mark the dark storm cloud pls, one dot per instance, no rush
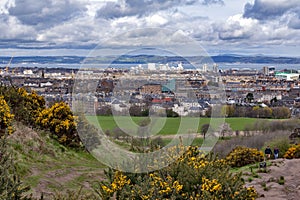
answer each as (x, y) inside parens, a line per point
(267, 9)
(143, 7)
(46, 12)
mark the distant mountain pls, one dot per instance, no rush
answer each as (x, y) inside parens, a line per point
(42, 59)
(142, 59)
(255, 59)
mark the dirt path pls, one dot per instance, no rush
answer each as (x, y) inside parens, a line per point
(60, 180)
(49, 168)
(268, 187)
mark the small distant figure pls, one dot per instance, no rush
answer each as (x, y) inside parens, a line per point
(268, 152)
(276, 152)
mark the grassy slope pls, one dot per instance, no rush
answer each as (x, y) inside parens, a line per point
(48, 167)
(171, 125)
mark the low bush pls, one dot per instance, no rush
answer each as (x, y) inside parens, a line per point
(293, 152)
(241, 156)
(281, 181)
(5, 117)
(61, 122)
(192, 176)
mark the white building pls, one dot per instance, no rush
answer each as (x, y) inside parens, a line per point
(27, 72)
(151, 66)
(288, 77)
(180, 67)
(204, 68)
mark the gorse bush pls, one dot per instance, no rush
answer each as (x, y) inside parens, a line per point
(24, 105)
(60, 120)
(29, 108)
(192, 176)
(5, 117)
(241, 156)
(33, 105)
(293, 152)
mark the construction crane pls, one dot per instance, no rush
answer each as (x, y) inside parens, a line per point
(8, 64)
(8, 77)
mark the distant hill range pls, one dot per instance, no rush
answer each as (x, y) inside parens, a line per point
(142, 59)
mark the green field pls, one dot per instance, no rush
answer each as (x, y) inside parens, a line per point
(170, 126)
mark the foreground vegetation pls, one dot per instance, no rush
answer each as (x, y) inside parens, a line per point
(48, 167)
(192, 176)
(48, 160)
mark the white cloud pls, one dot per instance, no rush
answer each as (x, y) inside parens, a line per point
(269, 9)
(237, 27)
(86, 23)
(46, 13)
(12, 29)
(156, 20)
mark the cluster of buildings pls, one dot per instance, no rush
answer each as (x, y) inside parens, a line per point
(160, 87)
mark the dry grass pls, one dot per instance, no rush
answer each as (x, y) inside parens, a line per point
(222, 148)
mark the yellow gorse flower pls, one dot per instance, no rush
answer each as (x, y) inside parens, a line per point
(5, 116)
(118, 183)
(210, 185)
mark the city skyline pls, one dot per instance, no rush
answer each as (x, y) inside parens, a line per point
(75, 27)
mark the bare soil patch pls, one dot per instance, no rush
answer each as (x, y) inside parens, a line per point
(267, 184)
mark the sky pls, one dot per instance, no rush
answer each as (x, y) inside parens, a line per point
(76, 27)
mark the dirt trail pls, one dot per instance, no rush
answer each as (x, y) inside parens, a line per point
(48, 168)
(268, 187)
(60, 180)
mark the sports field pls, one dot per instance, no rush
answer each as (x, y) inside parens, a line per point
(168, 126)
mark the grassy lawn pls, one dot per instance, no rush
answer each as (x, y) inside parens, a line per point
(170, 126)
(237, 123)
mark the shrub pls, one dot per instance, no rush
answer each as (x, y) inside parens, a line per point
(241, 156)
(281, 181)
(74, 195)
(281, 112)
(293, 152)
(228, 111)
(171, 113)
(139, 111)
(33, 104)
(104, 111)
(25, 106)
(192, 176)
(5, 117)
(60, 121)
